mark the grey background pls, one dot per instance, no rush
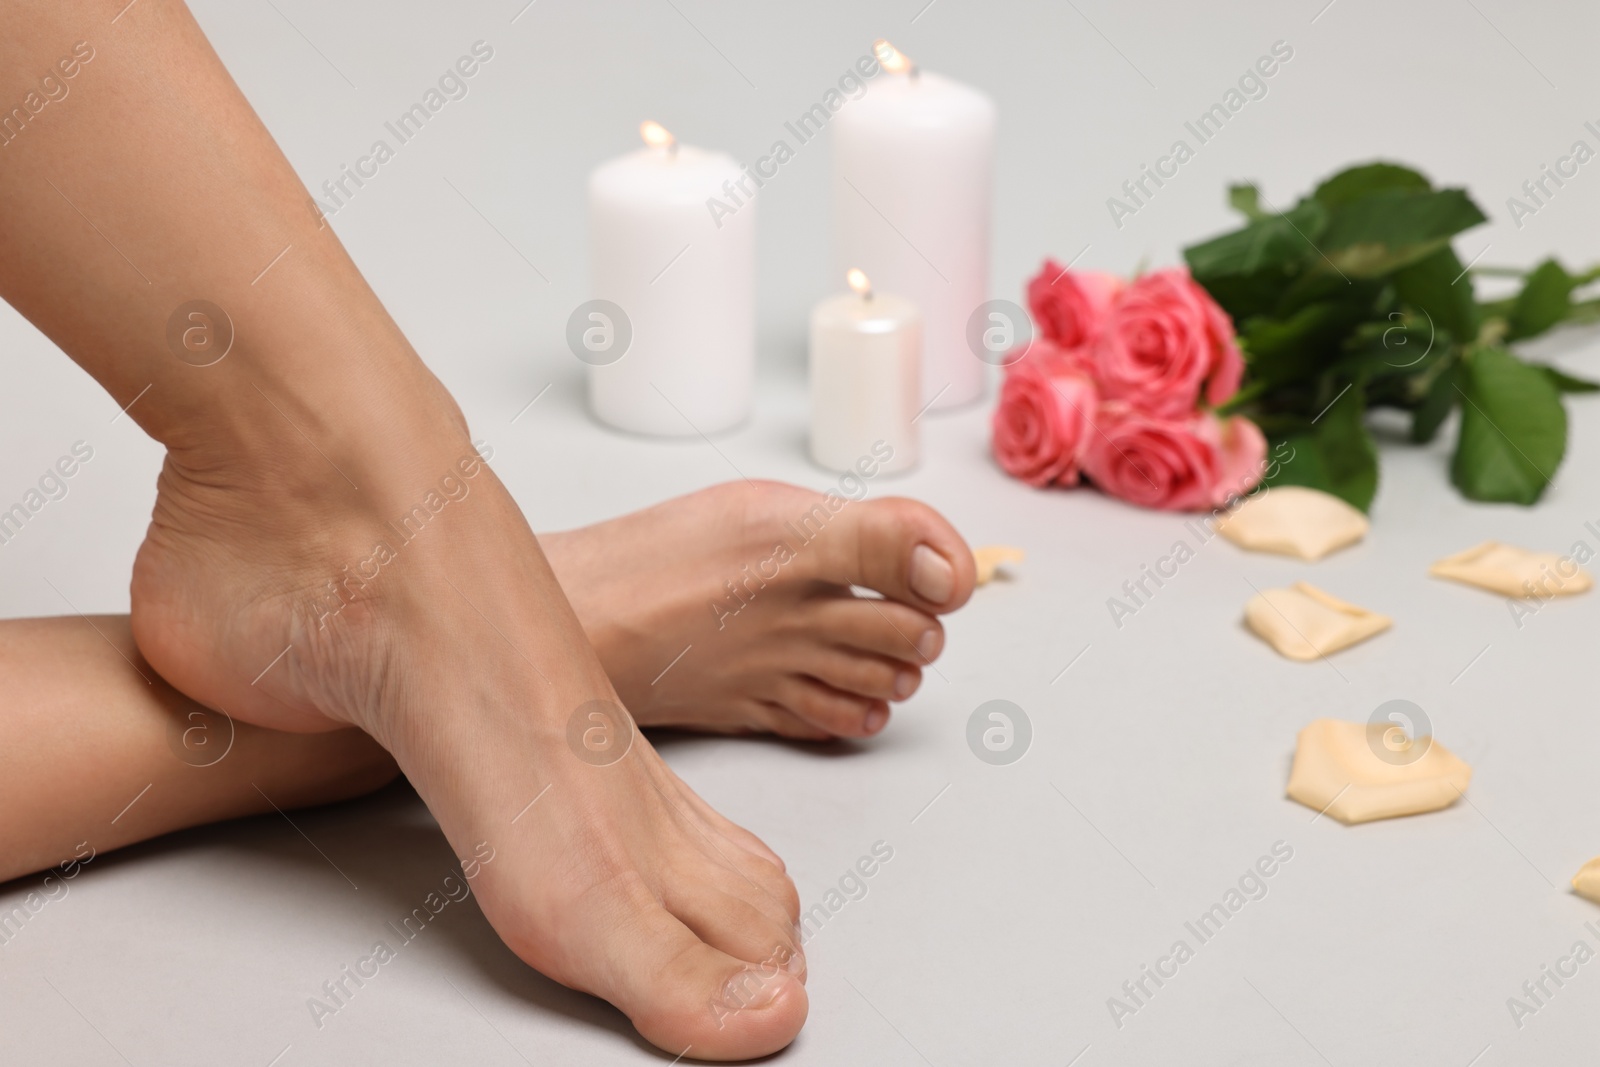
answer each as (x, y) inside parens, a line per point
(1019, 898)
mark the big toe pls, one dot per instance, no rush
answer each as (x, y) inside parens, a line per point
(699, 1002)
(901, 548)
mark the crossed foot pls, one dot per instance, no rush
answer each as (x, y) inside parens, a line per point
(466, 661)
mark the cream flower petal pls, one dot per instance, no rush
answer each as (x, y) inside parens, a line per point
(1586, 883)
(1338, 769)
(1303, 623)
(1294, 521)
(990, 557)
(1514, 572)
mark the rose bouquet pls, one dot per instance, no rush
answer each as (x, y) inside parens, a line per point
(1353, 299)
(1120, 388)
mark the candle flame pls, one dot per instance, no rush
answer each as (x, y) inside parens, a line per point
(656, 135)
(890, 58)
(857, 279)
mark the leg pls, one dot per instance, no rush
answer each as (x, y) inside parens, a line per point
(322, 452)
(87, 709)
(795, 654)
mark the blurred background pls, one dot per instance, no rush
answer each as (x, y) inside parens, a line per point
(473, 235)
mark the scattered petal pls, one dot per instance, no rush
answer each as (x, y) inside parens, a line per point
(1292, 520)
(1586, 883)
(1514, 572)
(1304, 623)
(1356, 773)
(990, 557)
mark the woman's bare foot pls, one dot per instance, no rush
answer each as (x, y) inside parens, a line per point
(730, 609)
(302, 431)
(462, 657)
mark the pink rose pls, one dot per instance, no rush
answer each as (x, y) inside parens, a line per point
(1183, 464)
(1244, 457)
(1071, 307)
(1166, 339)
(1044, 354)
(1043, 420)
(1228, 371)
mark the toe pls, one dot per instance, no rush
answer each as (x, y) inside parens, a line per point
(841, 714)
(769, 862)
(744, 873)
(901, 548)
(793, 727)
(863, 674)
(881, 627)
(738, 925)
(695, 1000)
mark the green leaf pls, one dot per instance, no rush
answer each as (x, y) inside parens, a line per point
(1271, 242)
(1307, 342)
(1246, 296)
(1393, 228)
(1356, 182)
(1334, 453)
(1315, 287)
(1585, 311)
(1494, 309)
(1564, 382)
(1248, 270)
(1513, 429)
(1545, 300)
(1441, 289)
(1393, 362)
(1246, 200)
(1437, 404)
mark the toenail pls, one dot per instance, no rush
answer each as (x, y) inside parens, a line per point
(905, 683)
(875, 720)
(932, 577)
(927, 644)
(796, 964)
(750, 989)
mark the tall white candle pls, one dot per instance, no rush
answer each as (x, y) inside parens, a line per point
(685, 284)
(866, 364)
(913, 175)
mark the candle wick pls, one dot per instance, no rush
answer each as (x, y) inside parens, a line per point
(672, 150)
(915, 70)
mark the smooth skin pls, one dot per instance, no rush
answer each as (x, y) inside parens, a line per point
(154, 184)
(77, 690)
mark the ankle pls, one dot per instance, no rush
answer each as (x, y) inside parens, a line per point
(337, 379)
(333, 440)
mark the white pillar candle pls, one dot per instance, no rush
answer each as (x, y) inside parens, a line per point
(685, 282)
(913, 175)
(866, 374)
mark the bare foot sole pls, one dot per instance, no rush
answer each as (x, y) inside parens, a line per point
(731, 609)
(463, 658)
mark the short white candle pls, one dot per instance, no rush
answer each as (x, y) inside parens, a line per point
(913, 175)
(866, 374)
(686, 285)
